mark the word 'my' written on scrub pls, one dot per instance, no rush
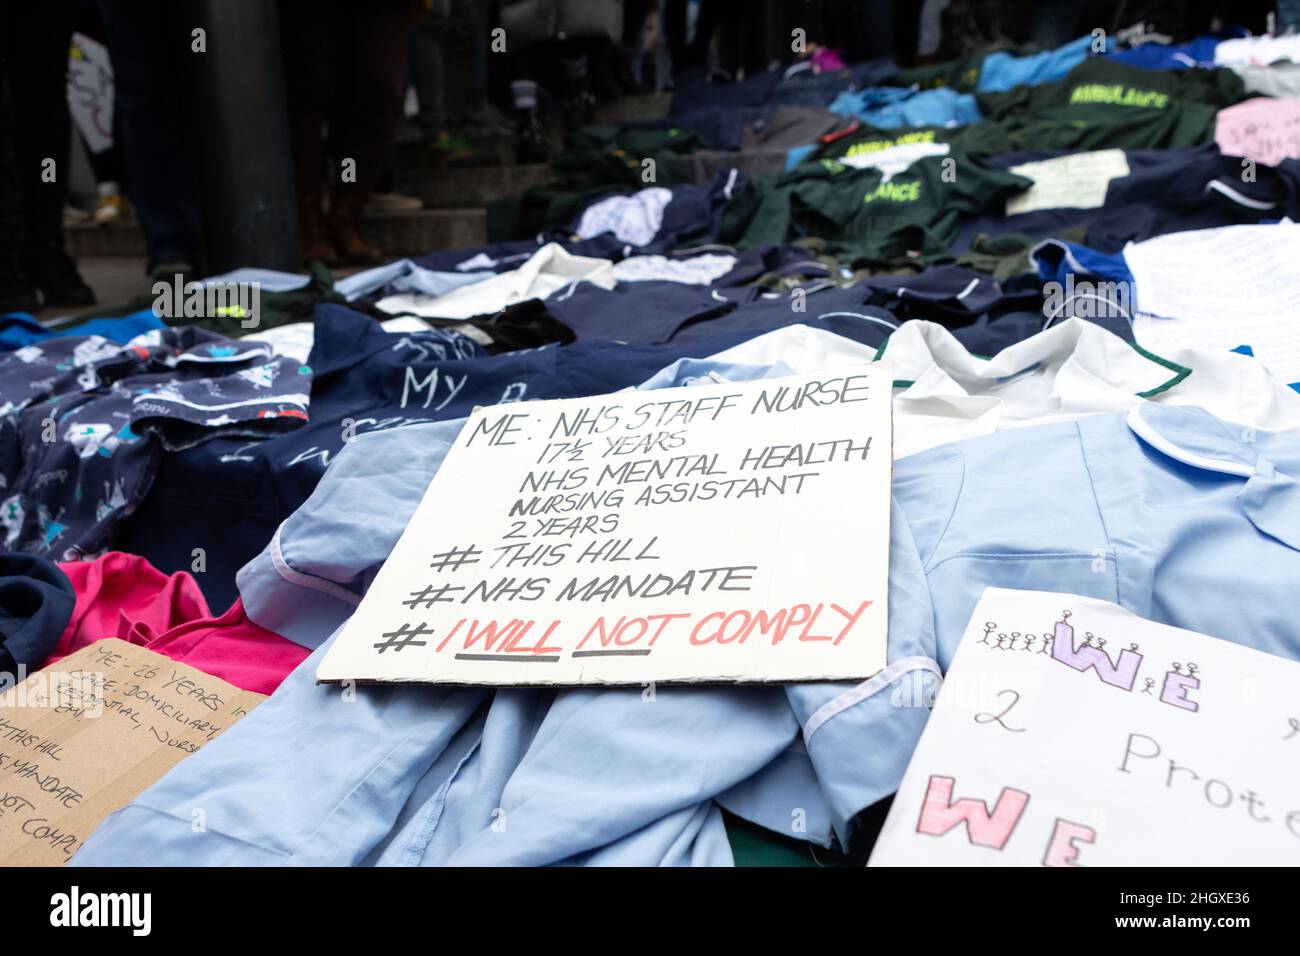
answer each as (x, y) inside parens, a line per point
(725, 531)
(1070, 732)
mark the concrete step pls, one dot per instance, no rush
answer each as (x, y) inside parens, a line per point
(488, 149)
(425, 230)
(471, 185)
(498, 149)
(116, 239)
(642, 106)
(394, 233)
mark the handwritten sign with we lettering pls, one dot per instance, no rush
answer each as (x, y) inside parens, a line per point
(1070, 732)
(730, 531)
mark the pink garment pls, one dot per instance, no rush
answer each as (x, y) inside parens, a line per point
(235, 649)
(1265, 130)
(123, 595)
(826, 60)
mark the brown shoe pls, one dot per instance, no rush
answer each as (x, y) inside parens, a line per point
(345, 232)
(315, 247)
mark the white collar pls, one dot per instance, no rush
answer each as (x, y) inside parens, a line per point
(1086, 362)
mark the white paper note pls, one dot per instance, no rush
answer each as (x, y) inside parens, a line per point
(1078, 181)
(90, 91)
(1070, 732)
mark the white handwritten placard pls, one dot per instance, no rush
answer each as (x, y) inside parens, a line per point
(730, 531)
(1071, 732)
(90, 91)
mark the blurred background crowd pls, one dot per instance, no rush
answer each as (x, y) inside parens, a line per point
(272, 128)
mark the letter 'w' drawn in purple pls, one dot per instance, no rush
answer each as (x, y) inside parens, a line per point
(1121, 673)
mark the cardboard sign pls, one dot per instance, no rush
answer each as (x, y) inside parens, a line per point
(723, 532)
(1070, 732)
(85, 736)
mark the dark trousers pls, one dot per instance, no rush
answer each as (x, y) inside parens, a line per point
(345, 66)
(34, 122)
(145, 44)
(695, 54)
(448, 49)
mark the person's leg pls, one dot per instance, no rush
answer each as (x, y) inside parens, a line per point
(17, 294)
(38, 37)
(675, 29)
(883, 38)
(721, 30)
(530, 146)
(110, 177)
(144, 46)
(1288, 15)
(906, 20)
(1051, 22)
(429, 40)
(467, 69)
(462, 47)
(310, 35)
(632, 43)
(579, 103)
(371, 103)
(107, 165)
